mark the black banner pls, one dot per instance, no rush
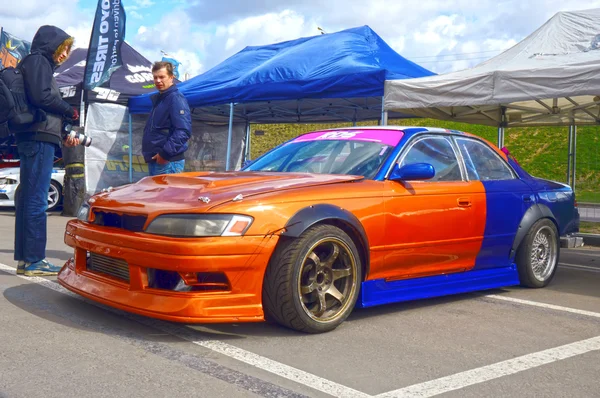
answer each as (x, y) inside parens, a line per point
(104, 53)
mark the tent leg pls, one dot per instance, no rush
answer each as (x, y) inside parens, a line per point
(569, 155)
(229, 137)
(247, 154)
(82, 108)
(500, 137)
(130, 149)
(384, 114)
(574, 168)
(502, 127)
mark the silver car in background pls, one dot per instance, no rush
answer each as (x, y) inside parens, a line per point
(9, 181)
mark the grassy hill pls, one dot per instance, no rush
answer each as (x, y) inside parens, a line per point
(542, 151)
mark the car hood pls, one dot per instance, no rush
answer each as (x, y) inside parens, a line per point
(203, 191)
(9, 171)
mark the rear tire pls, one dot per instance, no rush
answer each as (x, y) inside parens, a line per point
(537, 256)
(312, 282)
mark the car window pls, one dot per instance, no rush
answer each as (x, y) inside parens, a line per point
(326, 156)
(438, 152)
(482, 163)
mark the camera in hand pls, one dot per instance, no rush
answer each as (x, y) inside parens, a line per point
(68, 132)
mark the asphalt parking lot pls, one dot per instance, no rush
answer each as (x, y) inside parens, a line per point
(499, 343)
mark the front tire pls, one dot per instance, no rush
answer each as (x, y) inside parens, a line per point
(312, 282)
(54, 195)
(537, 256)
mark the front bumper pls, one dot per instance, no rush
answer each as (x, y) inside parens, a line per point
(242, 260)
(7, 195)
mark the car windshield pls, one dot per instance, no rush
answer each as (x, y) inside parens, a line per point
(330, 153)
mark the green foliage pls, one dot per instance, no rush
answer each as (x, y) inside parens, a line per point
(542, 151)
(589, 227)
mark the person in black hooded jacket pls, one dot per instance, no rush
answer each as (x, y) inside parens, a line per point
(50, 47)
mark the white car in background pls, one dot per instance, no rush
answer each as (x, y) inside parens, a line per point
(9, 181)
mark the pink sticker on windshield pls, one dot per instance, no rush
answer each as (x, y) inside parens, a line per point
(387, 137)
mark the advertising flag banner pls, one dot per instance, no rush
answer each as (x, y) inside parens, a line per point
(104, 53)
(12, 49)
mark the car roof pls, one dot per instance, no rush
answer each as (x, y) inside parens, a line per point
(399, 128)
(409, 131)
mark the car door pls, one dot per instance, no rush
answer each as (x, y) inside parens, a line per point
(434, 226)
(507, 199)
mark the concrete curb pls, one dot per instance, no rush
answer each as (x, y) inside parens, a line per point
(590, 239)
(588, 204)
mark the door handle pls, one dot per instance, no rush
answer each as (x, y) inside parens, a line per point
(464, 202)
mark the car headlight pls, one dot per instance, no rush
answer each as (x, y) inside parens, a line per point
(84, 212)
(200, 225)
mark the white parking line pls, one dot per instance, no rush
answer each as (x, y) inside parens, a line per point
(266, 364)
(421, 390)
(497, 370)
(288, 372)
(544, 305)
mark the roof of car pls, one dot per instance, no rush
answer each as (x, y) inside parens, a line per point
(400, 128)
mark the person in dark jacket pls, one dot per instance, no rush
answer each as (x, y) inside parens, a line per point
(36, 146)
(169, 126)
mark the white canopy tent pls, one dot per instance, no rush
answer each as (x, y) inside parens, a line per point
(551, 78)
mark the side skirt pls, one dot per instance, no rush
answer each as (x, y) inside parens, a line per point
(376, 292)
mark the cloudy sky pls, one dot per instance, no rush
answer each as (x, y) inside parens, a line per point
(441, 35)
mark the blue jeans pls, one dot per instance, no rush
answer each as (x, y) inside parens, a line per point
(31, 200)
(169, 168)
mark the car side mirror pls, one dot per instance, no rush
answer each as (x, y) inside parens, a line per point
(247, 163)
(412, 172)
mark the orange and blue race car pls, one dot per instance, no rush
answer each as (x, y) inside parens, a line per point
(325, 222)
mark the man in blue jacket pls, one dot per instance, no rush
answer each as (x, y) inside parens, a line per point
(169, 126)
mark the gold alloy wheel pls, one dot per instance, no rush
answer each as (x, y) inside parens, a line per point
(327, 281)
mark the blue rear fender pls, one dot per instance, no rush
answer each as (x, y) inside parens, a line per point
(559, 198)
(532, 215)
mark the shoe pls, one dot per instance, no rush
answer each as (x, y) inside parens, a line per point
(21, 267)
(41, 267)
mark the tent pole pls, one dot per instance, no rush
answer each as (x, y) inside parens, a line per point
(574, 169)
(247, 154)
(499, 137)
(82, 108)
(130, 149)
(569, 154)
(502, 127)
(229, 137)
(384, 114)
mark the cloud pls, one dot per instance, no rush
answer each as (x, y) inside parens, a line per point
(441, 35)
(144, 3)
(203, 49)
(28, 9)
(134, 14)
(190, 63)
(261, 30)
(24, 20)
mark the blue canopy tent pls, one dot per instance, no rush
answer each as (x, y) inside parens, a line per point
(326, 78)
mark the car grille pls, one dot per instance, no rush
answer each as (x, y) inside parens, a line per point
(130, 222)
(3, 196)
(114, 267)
